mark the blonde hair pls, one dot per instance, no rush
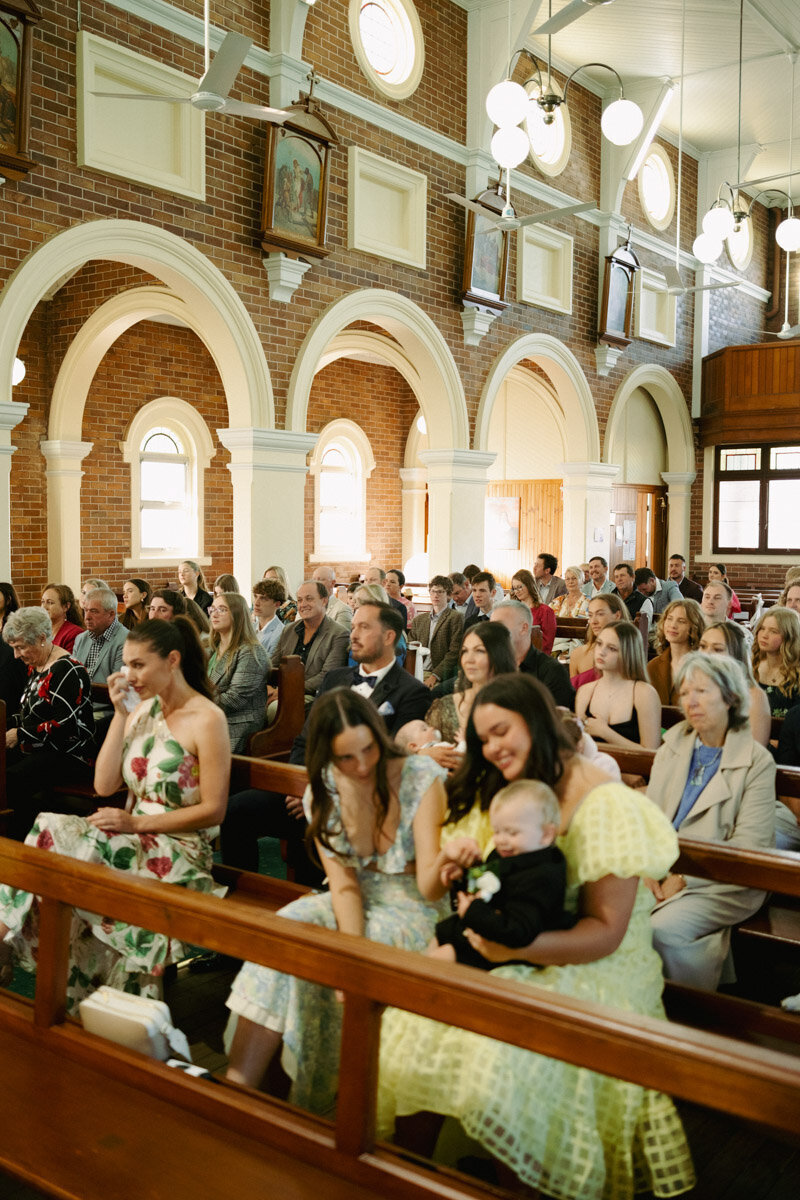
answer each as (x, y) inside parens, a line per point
(790, 583)
(577, 572)
(242, 632)
(788, 623)
(530, 791)
(371, 592)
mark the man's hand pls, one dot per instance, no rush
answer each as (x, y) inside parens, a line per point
(294, 807)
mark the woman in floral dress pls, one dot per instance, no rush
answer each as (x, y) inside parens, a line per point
(173, 752)
(375, 816)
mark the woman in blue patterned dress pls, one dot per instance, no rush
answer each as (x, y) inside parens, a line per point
(173, 752)
(375, 817)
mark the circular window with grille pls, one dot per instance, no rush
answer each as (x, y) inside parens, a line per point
(387, 39)
(550, 144)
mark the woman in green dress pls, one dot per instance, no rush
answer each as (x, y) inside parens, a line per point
(564, 1129)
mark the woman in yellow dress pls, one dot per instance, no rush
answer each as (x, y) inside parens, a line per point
(572, 1133)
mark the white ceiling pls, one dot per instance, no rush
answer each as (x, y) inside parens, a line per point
(642, 39)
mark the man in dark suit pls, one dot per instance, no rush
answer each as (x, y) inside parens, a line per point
(320, 642)
(676, 572)
(518, 621)
(396, 694)
(462, 600)
(484, 593)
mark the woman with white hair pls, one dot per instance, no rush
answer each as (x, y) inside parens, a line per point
(573, 603)
(50, 739)
(716, 784)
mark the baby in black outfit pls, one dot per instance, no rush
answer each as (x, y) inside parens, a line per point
(519, 890)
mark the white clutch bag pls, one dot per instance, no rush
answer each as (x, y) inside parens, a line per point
(137, 1022)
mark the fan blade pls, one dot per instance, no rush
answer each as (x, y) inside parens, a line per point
(552, 214)
(673, 279)
(131, 96)
(473, 206)
(564, 18)
(711, 287)
(789, 333)
(226, 65)
(259, 112)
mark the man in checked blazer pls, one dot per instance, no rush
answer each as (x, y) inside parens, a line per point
(440, 630)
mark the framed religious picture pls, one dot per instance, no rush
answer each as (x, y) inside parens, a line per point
(502, 523)
(486, 255)
(616, 310)
(17, 18)
(294, 211)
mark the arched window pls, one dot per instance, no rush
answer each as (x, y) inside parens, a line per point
(341, 465)
(168, 448)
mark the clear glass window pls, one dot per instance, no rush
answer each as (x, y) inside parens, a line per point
(387, 39)
(783, 505)
(657, 187)
(740, 460)
(738, 514)
(165, 494)
(784, 458)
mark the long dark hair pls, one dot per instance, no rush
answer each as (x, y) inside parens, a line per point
(551, 746)
(497, 642)
(178, 634)
(11, 599)
(331, 714)
(129, 618)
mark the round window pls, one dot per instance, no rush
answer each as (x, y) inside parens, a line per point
(387, 39)
(657, 188)
(550, 144)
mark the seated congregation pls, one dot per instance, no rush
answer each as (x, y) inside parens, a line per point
(464, 801)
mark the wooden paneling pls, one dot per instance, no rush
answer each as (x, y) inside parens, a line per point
(751, 393)
(541, 515)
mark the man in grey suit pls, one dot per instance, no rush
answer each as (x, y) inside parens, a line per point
(320, 642)
(599, 583)
(100, 648)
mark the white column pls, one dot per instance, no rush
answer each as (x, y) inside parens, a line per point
(12, 413)
(456, 506)
(679, 508)
(64, 474)
(587, 510)
(414, 481)
(268, 469)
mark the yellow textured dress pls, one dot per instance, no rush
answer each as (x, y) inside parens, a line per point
(573, 1133)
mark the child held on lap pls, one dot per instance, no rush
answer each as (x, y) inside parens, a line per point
(418, 735)
(518, 892)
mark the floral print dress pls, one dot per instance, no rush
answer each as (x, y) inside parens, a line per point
(161, 777)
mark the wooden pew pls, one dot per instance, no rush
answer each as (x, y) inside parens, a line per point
(276, 740)
(773, 871)
(146, 1130)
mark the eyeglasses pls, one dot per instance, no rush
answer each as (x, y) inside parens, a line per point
(217, 609)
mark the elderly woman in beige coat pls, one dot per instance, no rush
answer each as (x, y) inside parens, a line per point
(715, 783)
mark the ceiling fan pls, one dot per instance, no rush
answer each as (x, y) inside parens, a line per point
(572, 12)
(508, 219)
(671, 274)
(212, 92)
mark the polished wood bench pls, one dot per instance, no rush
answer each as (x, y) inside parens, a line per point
(776, 872)
(142, 1129)
(276, 740)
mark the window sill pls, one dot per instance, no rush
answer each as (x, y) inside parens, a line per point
(145, 560)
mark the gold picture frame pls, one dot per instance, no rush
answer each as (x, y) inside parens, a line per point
(17, 19)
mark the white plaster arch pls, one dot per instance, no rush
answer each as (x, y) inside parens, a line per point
(419, 342)
(569, 384)
(371, 347)
(219, 316)
(673, 409)
(92, 342)
(681, 472)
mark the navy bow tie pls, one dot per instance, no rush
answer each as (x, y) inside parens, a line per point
(369, 680)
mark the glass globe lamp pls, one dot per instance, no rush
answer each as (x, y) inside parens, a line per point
(507, 104)
(510, 146)
(787, 235)
(719, 222)
(707, 248)
(621, 122)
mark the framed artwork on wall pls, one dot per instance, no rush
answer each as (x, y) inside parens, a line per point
(486, 256)
(17, 18)
(616, 310)
(294, 211)
(502, 523)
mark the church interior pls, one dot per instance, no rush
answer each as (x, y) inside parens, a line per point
(293, 337)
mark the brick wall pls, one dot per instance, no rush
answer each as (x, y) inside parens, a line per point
(385, 407)
(59, 194)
